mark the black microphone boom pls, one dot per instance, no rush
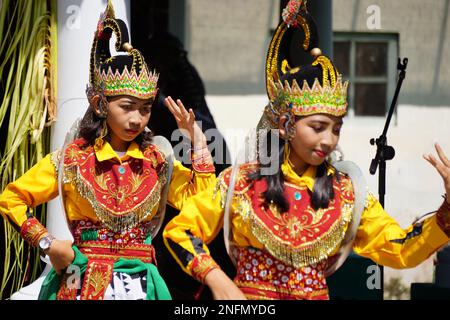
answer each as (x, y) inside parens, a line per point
(385, 152)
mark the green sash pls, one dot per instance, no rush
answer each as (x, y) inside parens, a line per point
(156, 287)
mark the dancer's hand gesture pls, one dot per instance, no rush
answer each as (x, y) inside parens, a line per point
(186, 122)
(442, 166)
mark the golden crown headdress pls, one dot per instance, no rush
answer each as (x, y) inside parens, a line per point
(122, 74)
(307, 89)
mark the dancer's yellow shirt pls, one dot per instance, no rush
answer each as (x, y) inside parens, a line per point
(201, 219)
(40, 184)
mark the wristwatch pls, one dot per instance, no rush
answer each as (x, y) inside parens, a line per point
(45, 243)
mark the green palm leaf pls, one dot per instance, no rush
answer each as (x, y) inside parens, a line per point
(27, 101)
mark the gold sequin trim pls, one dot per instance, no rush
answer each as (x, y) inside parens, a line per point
(329, 73)
(112, 220)
(304, 255)
(370, 199)
(294, 292)
(55, 158)
(306, 30)
(241, 182)
(272, 58)
(307, 253)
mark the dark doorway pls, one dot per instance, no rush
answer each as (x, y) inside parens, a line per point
(157, 29)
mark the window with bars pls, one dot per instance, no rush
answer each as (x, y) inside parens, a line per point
(369, 62)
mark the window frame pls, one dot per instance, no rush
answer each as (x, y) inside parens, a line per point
(392, 41)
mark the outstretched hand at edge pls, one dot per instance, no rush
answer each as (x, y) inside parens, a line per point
(442, 167)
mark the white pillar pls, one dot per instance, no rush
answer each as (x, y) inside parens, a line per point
(77, 22)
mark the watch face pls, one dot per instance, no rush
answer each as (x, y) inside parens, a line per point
(44, 243)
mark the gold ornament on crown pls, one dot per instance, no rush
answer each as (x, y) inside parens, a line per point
(142, 85)
(137, 81)
(306, 100)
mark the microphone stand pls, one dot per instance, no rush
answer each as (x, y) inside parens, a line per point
(385, 152)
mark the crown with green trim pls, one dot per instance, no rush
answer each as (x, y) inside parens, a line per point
(125, 74)
(307, 89)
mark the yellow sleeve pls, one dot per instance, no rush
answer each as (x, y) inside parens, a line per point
(381, 239)
(185, 183)
(187, 234)
(34, 187)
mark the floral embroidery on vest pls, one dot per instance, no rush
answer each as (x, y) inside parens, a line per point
(122, 195)
(302, 235)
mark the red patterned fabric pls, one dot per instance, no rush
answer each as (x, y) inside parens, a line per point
(202, 161)
(118, 189)
(302, 225)
(242, 183)
(290, 12)
(201, 265)
(261, 276)
(96, 279)
(443, 217)
(100, 250)
(101, 256)
(88, 230)
(32, 231)
(67, 291)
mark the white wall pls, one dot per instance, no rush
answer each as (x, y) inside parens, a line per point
(423, 28)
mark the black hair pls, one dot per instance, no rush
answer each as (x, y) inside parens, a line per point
(323, 185)
(91, 127)
(275, 182)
